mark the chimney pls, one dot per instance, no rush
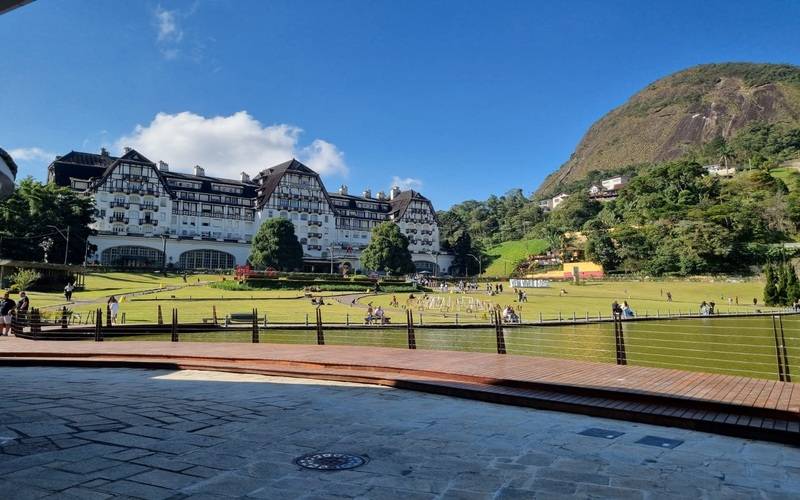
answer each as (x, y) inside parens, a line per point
(199, 171)
(367, 193)
(394, 192)
(343, 189)
(104, 152)
(245, 177)
(163, 166)
(381, 195)
(127, 149)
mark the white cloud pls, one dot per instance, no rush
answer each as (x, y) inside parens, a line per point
(228, 145)
(324, 157)
(405, 183)
(167, 24)
(31, 154)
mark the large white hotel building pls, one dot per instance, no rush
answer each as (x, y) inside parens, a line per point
(149, 216)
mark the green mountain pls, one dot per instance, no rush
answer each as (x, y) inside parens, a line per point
(682, 112)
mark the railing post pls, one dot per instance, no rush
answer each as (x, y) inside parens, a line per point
(122, 319)
(255, 325)
(501, 340)
(108, 315)
(214, 313)
(412, 338)
(175, 337)
(778, 351)
(786, 374)
(456, 318)
(559, 316)
(320, 333)
(573, 316)
(36, 322)
(98, 325)
(306, 319)
(540, 318)
(347, 319)
(160, 316)
(63, 316)
(420, 319)
(619, 339)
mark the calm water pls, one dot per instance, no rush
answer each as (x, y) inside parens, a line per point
(736, 346)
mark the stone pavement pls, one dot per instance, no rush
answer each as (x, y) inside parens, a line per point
(123, 433)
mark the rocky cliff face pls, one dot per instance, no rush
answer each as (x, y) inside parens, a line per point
(682, 111)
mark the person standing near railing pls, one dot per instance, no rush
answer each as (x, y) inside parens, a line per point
(6, 306)
(22, 308)
(113, 308)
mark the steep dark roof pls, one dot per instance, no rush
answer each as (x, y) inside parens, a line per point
(248, 188)
(8, 161)
(401, 202)
(272, 177)
(78, 165)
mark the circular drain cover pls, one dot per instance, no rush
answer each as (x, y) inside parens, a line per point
(330, 461)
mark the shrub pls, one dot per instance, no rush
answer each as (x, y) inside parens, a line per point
(24, 278)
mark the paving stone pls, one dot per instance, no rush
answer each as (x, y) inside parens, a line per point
(90, 465)
(572, 476)
(165, 479)
(553, 486)
(120, 471)
(137, 490)
(166, 462)
(600, 491)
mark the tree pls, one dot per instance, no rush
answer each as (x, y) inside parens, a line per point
(275, 245)
(28, 216)
(24, 278)
(770, 286)
(792, 285)
(388, 251)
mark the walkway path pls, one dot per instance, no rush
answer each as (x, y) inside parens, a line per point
(727, 404)
(72, 433)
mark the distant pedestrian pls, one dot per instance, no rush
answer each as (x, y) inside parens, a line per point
(616, 309)
(113, 309)
(68, 292)
(669, 296)
(755, 301)
(24, 303)
(6, 306)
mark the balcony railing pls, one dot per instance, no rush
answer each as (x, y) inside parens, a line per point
(315, 223)
(315, 235)
(120, 204)
(153, 208)
(315, 247)
(151, 222)
(115, 218)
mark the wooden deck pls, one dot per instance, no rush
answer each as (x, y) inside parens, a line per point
(726, 404)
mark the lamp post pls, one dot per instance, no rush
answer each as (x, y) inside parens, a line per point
(331, 249)
(480, 270)
(164, 253)
(66, 246)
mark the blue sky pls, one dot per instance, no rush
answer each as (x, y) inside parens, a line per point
(459, 99)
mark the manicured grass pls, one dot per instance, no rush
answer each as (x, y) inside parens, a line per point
(593, 298)
(508, 254)
(789, 175)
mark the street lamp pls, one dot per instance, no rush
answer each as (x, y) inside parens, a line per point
(480, 271)
(164, 253)
(66, 237)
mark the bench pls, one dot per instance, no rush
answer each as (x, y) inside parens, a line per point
(377, 321)
(240, 318)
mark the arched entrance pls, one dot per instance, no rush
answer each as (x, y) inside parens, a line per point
(424, 265)
(132, 256)
(206, 259)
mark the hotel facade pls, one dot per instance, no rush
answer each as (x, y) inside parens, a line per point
(149, 216)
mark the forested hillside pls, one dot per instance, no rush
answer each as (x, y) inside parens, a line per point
(682, 112)
(671, 218)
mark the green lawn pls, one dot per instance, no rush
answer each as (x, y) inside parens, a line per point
(197, 301)
(591, 297)
(508, 254)
(789, 175)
